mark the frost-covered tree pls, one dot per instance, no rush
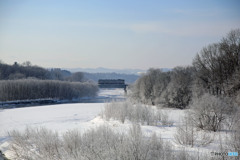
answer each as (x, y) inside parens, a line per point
(215, 70)
(170, 88)
(178, 92)
(149, 87)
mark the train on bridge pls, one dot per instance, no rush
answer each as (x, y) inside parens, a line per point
(112, 83)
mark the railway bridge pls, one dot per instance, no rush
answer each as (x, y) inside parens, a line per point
(112, 83)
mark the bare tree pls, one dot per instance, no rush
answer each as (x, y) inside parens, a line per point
(216, 64)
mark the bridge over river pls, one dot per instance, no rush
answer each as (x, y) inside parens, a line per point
(112, 83)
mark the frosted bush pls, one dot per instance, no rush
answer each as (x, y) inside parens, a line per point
(187, 134)
(101, 143)
(209, 112)
(137, 113)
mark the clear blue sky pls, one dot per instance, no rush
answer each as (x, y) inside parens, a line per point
(110, 33)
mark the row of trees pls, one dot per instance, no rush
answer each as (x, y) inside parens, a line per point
(25, 81)
(35, 89)
(17, 71)
(215, 70)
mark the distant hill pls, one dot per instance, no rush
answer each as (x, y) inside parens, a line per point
(25, 71)
(129, 75)
(108, 70)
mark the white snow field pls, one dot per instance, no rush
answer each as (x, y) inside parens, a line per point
(61, 117)
(83, 116)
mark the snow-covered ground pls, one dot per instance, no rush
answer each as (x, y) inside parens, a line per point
(82, 116)
(57, 117)
(61, 118)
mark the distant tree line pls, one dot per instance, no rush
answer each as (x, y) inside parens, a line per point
(27, 70)
(215, 70)
(17, 71)
(25, 81)
(24, 89)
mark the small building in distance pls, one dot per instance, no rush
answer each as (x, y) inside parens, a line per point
(112, 83)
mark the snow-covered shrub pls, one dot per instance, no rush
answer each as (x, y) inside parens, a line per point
(187, 134)
(116, 110)
(101, 143)
(209, 112)
(143, 114)
(147, 148)
(37, 143)
(136, 113)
